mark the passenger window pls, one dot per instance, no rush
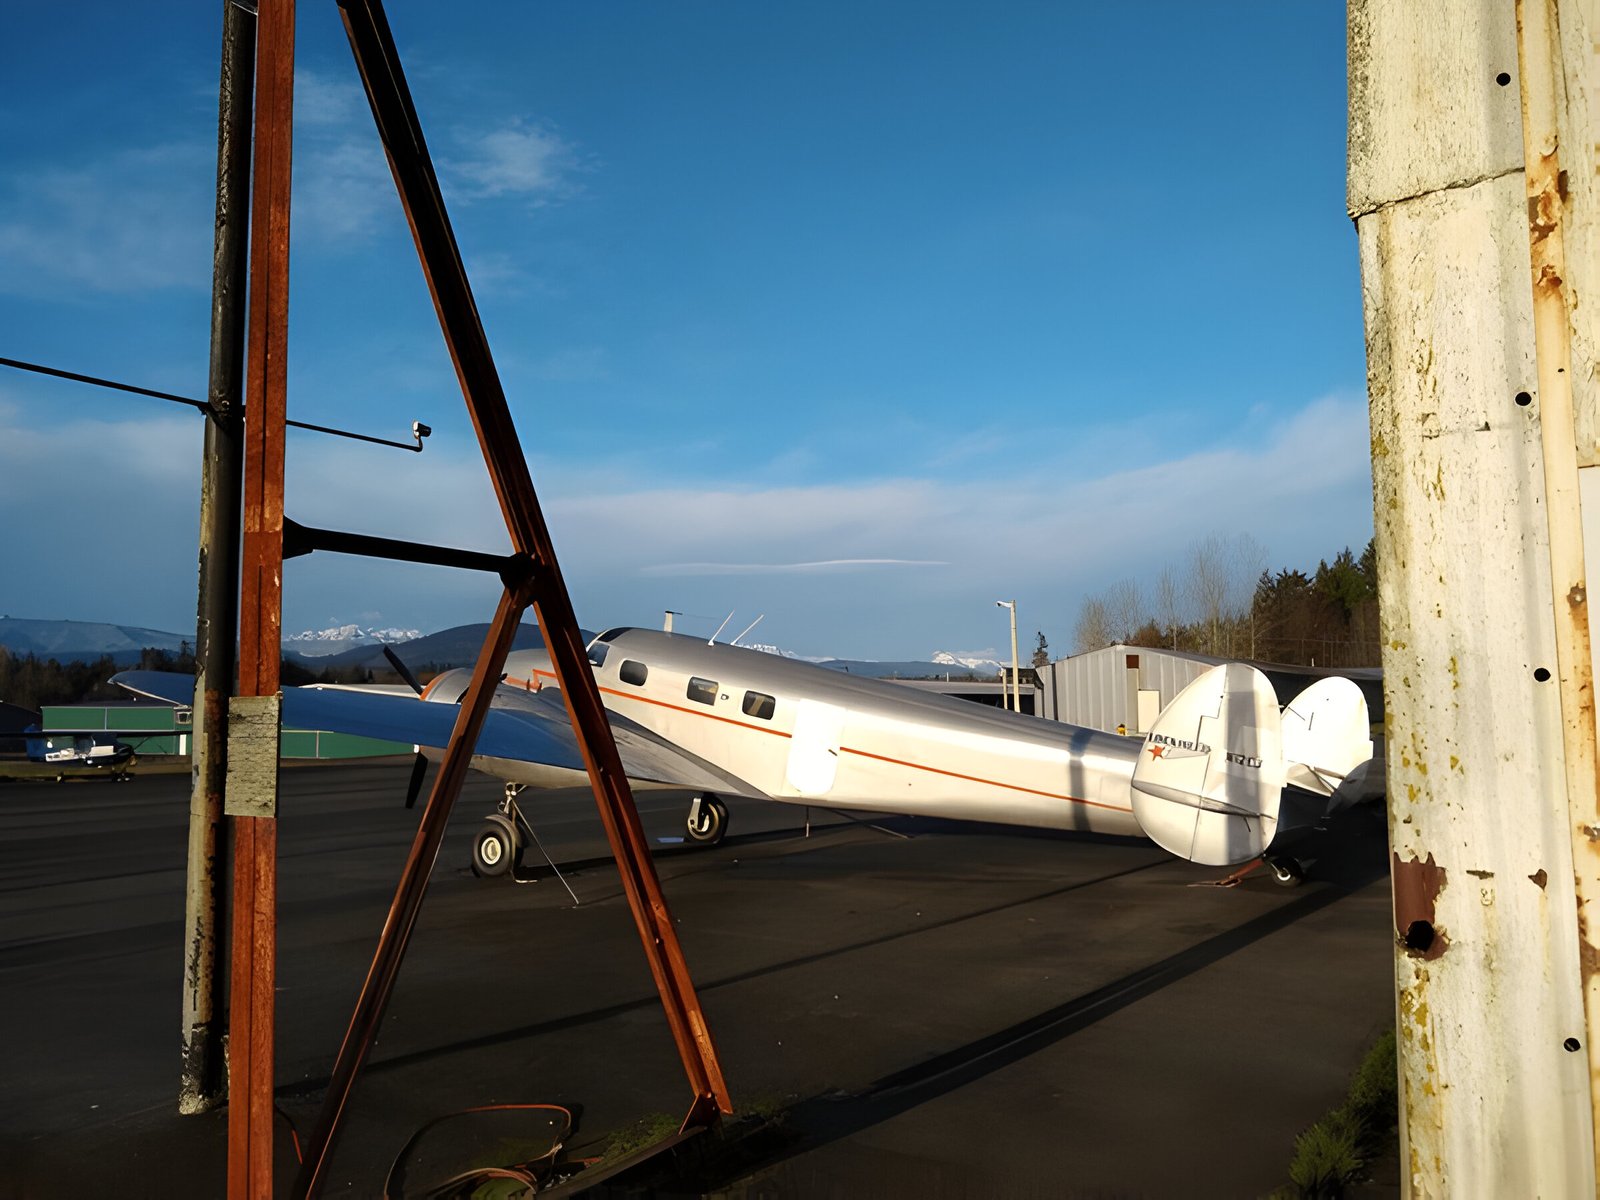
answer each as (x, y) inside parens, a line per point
(597, 654)
(759, 705)
(703, 691)
(633, 672)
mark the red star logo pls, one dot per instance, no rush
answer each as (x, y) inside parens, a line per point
(1156, 751)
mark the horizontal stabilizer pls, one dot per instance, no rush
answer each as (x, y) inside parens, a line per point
(1210, 773)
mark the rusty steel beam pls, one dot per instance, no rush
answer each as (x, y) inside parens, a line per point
(253, 973)
(407, 903)
(401, 132)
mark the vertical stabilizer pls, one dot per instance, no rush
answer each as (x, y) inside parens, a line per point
(1327, 734)
(1211, 771)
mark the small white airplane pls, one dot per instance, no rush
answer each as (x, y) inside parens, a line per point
(1223, 776)
(70, 748)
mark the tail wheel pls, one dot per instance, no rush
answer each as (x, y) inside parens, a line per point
(1287, 872)
(708, 821)
(494, 850)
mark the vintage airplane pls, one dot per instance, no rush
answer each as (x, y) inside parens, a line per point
(1223, 776)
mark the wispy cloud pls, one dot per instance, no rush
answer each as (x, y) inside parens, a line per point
(135, 220)
(327, 100)
(893, 567)
(343, 190)
(524, 159)
(753, 568)
(140, 218)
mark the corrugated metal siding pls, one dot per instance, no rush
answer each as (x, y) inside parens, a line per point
(1099, 691)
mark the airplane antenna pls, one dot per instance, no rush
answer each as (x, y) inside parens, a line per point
(747, 628)
(712, 640)
(669, 613)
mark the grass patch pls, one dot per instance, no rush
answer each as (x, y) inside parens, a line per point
(646, 1131)
(1330, 1155)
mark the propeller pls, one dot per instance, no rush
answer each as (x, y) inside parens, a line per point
(402, 670)
(419, 767)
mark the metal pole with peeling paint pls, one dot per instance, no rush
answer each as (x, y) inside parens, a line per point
(203, 1085)
(1542, 89)
(1476, 519)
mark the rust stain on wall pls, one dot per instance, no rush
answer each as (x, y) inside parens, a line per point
(1417, 885)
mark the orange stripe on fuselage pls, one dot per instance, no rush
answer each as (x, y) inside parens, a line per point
(694, 712)
(899, 762)
(1015, 787)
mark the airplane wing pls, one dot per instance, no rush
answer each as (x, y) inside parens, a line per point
(522, 726)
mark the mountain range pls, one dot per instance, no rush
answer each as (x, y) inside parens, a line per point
(84, 641)
(355, 646)
(314, 643)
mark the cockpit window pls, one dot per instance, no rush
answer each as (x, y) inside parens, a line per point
(703, 691)
(633, 672)
(759, 705)
(597, 653)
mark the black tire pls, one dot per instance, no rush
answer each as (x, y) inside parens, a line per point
(712, 826)
(494, 851)
(1286, 872)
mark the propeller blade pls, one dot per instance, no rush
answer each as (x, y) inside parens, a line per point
(403, 671)
(419, 768)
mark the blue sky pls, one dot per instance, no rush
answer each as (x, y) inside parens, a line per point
(858, 316)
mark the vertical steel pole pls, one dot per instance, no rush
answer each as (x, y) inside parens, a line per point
(217, 624)
(1016, 672)
(261, 603)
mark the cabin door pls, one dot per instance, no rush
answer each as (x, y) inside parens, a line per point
(814, 749)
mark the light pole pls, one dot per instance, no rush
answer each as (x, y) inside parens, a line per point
(1014, 701)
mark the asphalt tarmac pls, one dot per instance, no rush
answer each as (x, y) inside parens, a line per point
(968, 1011)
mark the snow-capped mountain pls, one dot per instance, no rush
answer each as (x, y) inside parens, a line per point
(971, 660)
(318, 642)
(766, 649)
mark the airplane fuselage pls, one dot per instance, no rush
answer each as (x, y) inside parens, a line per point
(810, 735)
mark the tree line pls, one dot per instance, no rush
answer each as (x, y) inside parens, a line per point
(33, 682)
(1225, 601)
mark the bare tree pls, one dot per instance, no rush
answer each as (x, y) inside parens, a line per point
(1093, 630)
(1209, 587)
(1125, 608)
(1169, 604)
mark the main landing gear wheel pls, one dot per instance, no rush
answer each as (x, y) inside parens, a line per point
(1286, 872)
(494, 850)
(708, 821)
